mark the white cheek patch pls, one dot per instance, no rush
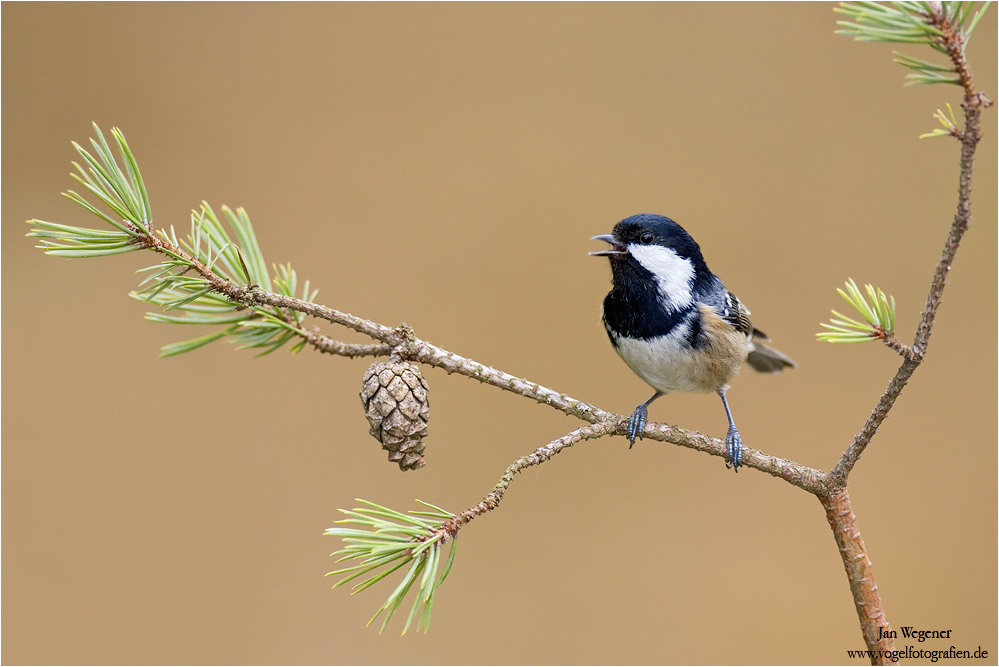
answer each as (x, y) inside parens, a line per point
(673, 273)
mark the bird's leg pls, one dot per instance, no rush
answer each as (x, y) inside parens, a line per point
(638, 417)
(733, 439)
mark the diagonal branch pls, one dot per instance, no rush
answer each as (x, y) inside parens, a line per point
(403, 343)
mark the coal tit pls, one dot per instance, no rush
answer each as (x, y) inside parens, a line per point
(674, 322)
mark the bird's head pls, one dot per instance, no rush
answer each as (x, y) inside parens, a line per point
(654, 248)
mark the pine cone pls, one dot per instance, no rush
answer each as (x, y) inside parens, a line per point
(395, 399)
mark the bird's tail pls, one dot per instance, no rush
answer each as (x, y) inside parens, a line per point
(766, 359)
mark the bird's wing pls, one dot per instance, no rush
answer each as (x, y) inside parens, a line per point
(737, 315)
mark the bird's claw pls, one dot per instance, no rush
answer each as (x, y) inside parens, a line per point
(637, 423)
(734, 442)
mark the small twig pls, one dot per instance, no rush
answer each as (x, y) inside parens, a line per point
(895, 344)
(328, 345)
(801, 476)
(537, 457)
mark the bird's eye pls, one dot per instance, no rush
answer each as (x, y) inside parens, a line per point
(646, 237)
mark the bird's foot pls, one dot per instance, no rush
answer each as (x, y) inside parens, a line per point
(734, 442)
(637, 423)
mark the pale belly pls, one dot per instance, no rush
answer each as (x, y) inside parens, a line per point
(668, 366)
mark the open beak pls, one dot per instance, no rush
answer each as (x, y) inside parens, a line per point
(615, 249)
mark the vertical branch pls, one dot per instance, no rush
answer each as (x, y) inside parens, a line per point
(973, 104)
(860, 573)
(970, 137)
(953, 41)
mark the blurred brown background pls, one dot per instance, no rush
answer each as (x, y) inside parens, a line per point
(172, 511)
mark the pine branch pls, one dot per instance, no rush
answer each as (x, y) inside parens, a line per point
(879, 314)
(389, 541)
